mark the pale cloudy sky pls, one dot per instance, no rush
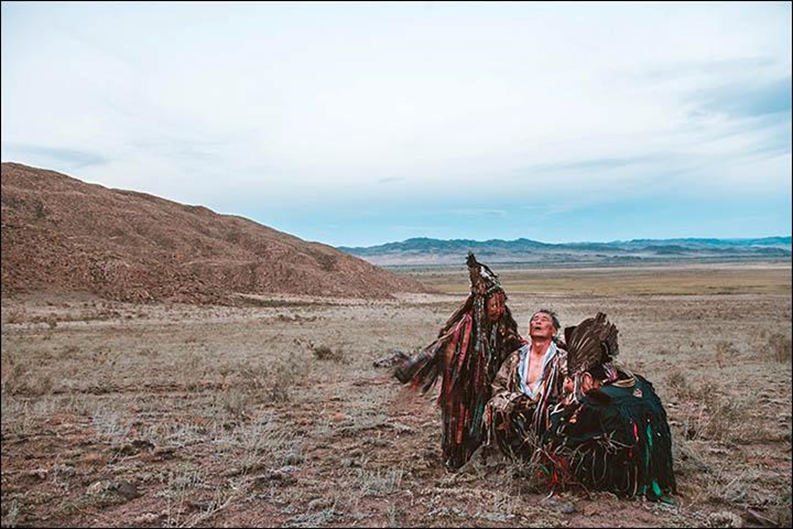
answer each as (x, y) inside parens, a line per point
(364, 123)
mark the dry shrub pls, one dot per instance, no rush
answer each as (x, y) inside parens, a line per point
(277, 380)
(707, 414)
(22, 382)
(395, 516)
(689, 457)
(70, 351)
(255, 377)
(731, 420)
(235, 401)
(50, 319)
(273, 382)
(191, 371)
(258, 444)
(676, 381)
(15, 316)
(283, 377)
(179, 481)
(725, 351)
(323, 352)
(225, 369)
(704, 392)
(779, 345)
(315, 519)
(192, 364)
(101, 497)
(502, 509)
(16, 417)
(379, 484)
(723, 519)
(148, 352)
(780, 511)
(41, 385)
(736, 487)
(11, 513)
(13, 374)
(109, 425)
(180, 484)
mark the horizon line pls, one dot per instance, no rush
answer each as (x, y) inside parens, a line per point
(571, 242)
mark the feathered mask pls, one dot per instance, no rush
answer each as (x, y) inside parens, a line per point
(591, 343)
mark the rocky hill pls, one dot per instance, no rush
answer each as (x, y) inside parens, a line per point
(61, 234)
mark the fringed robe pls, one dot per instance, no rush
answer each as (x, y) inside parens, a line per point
(516, 421)
(616, 439)
(466, 356)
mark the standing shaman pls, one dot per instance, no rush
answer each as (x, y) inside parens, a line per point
(466, 356)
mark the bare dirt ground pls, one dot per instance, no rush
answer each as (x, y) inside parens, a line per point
(273, 414)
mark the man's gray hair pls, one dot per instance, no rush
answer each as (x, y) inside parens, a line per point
(552, 314)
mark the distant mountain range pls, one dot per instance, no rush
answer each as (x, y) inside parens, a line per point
(424, 251)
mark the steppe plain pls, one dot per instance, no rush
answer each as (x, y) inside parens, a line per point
(271, 412)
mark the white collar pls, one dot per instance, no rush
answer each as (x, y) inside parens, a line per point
(524, 367)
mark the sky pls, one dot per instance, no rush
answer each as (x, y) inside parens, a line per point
(355, 124)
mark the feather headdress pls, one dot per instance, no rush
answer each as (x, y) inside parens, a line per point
(465, 357)
(591, 343)
(483, 280)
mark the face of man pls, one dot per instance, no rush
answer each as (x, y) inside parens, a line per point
(541, 326)
(495, 306)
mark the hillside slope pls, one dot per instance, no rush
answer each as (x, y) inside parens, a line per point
(59, 233)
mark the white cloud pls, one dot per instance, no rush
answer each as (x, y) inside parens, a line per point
(325, 103)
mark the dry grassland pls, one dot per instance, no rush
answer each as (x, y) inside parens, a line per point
(639, 281)
(273, 415)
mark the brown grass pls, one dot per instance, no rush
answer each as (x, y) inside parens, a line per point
(779, 345)
(645, 281)
(233, 416)
(323, 352)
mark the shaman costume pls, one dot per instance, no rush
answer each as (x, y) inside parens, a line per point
(518, 413)
(466, 356)
(615, 437)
